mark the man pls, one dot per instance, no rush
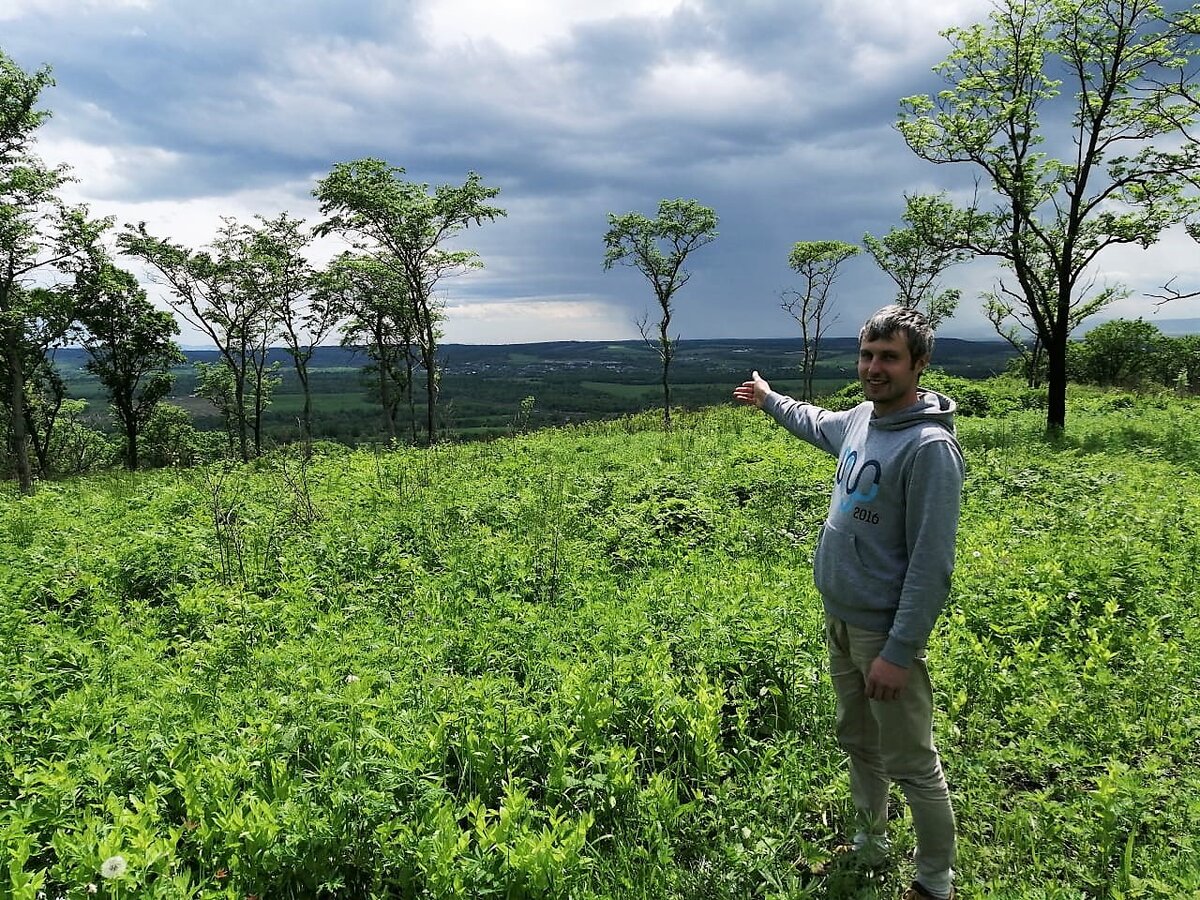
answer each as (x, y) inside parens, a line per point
(882, 567)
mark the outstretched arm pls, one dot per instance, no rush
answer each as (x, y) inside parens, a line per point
(818, 426)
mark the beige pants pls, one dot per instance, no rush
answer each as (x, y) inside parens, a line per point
(892, 741)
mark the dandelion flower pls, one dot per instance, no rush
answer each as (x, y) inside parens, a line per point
(113, 867)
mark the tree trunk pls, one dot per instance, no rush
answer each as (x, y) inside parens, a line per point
(306, 415)
(805, 365)
(123, 404)
(16, 400)
(428, 345)
(666, 352)
(239, 413)
(408, 389)
(666, 383)
(431, 393)
(385, 397)
(259, 405)
(41, 443)
(258, 411)
(1056, 381)
(131, 442)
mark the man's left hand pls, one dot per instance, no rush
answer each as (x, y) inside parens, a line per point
(885, 680)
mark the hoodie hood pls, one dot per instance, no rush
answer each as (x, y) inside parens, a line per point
(930, 407)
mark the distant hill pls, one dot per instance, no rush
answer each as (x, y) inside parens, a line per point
(486, 388)
(1176, 327)
(973, 358)
(325, 357)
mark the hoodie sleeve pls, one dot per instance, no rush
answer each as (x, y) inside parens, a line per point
(933, 498)
(820, 427)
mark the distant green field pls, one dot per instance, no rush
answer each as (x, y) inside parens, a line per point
(290, 403)
(622, 390)
(636, 350)
(654, 390)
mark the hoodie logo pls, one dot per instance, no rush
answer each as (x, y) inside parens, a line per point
(859, 483)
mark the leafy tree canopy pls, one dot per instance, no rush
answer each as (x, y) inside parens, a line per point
(916, 256)
(405, 226)
(1104, 83)
(658, 248)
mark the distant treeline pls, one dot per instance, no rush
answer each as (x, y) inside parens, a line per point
(500, 389)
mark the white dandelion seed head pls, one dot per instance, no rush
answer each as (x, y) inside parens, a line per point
(113, 867)
(352, 679)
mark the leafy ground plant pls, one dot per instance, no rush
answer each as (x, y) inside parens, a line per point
(586, 663)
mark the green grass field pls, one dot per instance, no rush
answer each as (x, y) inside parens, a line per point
(587, 662)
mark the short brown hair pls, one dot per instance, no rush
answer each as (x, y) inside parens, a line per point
(887, 321)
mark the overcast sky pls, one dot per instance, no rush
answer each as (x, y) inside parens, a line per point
(777, 113)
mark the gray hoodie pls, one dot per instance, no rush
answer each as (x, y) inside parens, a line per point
(886, 550)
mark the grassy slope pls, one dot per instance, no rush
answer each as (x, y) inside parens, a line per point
(587, 662)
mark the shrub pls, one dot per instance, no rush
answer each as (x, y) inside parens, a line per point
(169, 438)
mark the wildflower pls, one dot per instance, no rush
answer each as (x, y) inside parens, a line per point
(977, 554)
(91, 888)
(352, 678)
(113, 867)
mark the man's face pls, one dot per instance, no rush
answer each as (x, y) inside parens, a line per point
(888, 375)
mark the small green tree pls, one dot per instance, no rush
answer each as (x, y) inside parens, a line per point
(287, 282)
(406, 227)
(215, 383)
(1124, 177)
(76, 447)
(817, 263)
(658, 248)
(916, 256)
(41, 238)
(1120, 352)
(130, 344)
(214, 290)
(239, 247)
(1180, 363)
(169, 437)
(371, 300)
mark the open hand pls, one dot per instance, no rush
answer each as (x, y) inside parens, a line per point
(752, 392)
